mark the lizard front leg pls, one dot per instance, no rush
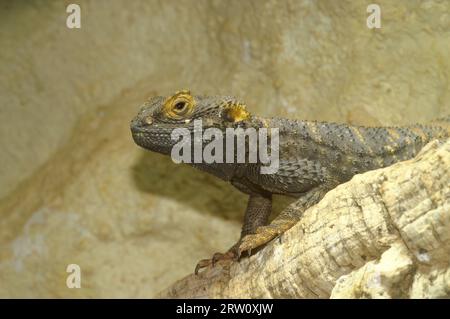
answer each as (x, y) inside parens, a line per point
(287, 218)
(259, 208)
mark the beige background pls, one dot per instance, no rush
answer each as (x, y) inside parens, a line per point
(75, 189)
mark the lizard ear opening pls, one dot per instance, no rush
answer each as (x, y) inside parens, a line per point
(235, 112)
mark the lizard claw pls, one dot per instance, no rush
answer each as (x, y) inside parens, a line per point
(217, 257)
(202, 264)
(262, 236)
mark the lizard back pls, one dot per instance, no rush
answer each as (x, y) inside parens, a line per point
(312, 153)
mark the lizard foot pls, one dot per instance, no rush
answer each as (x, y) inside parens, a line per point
(228, 256)
(262, 236)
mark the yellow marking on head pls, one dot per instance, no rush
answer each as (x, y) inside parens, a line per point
(179, 105)
(236, 112)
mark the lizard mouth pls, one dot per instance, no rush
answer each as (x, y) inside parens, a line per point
(138, 137)
(137, 130)
(143, 140)
(154, 142)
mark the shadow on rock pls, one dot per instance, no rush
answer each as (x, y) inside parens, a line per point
(157, 174)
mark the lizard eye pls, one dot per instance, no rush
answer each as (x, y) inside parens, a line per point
(179, 106)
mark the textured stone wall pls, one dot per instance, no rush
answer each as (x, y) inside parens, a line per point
(75, 188)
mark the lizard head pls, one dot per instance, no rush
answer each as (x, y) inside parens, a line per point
(159, 116)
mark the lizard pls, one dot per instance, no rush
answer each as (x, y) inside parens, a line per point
(314, 157)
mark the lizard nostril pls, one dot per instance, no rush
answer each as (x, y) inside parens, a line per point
(148, 120)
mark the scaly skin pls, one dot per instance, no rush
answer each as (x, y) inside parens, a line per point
(314, 157)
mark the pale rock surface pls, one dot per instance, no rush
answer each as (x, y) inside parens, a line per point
(75, 189)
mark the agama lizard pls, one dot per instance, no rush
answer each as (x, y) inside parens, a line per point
(314, 157)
